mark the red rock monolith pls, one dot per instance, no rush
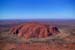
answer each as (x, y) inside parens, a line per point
(34, 30)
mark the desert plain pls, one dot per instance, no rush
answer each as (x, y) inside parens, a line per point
(40, 34)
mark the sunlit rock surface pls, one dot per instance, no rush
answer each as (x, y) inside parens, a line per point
(34, 30)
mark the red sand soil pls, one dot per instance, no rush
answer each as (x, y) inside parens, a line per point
(34, 30)
(39, 46)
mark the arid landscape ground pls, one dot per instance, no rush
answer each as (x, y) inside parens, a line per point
(17, 40)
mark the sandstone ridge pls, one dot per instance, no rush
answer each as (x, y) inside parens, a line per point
(34, 30)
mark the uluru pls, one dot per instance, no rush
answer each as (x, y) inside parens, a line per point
(35, 35)
(34, 30)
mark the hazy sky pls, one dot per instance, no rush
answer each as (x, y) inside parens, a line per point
(37, 9)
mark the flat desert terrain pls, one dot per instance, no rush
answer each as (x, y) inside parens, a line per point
(27, 37)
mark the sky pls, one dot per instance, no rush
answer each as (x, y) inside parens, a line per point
(37, 9)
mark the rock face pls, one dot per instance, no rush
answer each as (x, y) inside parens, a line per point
(34, 30)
